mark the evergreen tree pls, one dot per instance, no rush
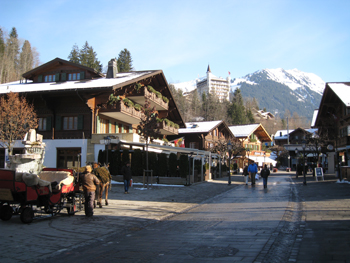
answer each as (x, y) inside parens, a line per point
(26, 60)
(124, 61)
(86, 56)
(236, 110)
(74, 55)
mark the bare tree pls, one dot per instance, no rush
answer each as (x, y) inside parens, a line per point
(147, 128)
(17, 117)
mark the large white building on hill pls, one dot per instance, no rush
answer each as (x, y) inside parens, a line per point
(214, 85)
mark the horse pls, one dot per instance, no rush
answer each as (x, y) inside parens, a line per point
(103, 174)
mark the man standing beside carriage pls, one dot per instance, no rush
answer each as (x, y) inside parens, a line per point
(89, 182)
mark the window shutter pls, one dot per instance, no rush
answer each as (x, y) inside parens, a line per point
(80, 122)
(58, 122)
(63, 76)
(109, 127)
(116, 128)
(122, 128)
(48, 123)
(98, 124)
(57, 77)
(130, 129)
(82, 75)
(40, 78)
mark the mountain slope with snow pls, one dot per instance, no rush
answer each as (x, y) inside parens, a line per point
(279, 90)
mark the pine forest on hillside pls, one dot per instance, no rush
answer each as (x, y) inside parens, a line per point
(237, 112)
(17, 56)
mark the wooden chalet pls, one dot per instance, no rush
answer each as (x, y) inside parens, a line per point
(78, 107)
(252, 137)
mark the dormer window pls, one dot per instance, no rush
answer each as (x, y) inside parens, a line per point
(74, 76)
(50, 78)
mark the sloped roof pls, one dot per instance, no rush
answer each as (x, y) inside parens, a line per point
(244, 131)
(314, 118)
(200, 127)
(121, 79)
(342, 90)
(284, 134)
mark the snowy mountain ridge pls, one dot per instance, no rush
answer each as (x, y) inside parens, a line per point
(293, 78)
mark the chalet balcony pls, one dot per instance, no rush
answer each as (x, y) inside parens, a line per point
(140, 96)
(120, 111)
(166, 129)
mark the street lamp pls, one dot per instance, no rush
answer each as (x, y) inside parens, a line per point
(229, 148)
(107, 141)
(304, 146)
(264, 158)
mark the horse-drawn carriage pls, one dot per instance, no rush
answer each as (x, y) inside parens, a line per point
(33, 196)
(31, 191)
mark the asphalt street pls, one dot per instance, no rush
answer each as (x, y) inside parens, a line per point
(211, 221)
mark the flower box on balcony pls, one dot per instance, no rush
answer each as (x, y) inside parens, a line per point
(166, 128)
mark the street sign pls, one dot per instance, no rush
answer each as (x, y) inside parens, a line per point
(319, 173)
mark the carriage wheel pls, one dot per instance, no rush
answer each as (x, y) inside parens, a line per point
(27, 215)
(6, 212)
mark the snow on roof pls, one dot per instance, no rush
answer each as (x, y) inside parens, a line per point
(342, 90)
(243, 130)
(198, 127)
(67, 85)
(282, 134)
(314, 117)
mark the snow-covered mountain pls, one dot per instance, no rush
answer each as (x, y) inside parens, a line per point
(277, 90)
(293, 78)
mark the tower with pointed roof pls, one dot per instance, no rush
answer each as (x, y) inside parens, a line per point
(215, 85)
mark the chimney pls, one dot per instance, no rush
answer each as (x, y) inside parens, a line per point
(112, 68)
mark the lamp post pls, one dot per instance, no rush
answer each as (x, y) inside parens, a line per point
(296, 165)
(229, 148)
(107, 141)
(264, 159)
(304, 146)
(248, 151)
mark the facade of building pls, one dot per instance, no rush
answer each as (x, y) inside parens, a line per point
(214, 85)
(333, 123)
(78, 108)
(252, 137)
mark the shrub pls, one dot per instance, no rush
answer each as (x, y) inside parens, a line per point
(158, 94)
(136, 163)
(114, 161)
(152, 162)
(162, 164)
(137, 107)
(125, 156)
(183, 164)
(165, 99)
(172, 164)
(138, 87)
(151, 89)
(128, 102)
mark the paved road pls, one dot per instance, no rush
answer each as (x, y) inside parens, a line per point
(288, 222)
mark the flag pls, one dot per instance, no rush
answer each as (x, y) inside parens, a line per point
(229, 73)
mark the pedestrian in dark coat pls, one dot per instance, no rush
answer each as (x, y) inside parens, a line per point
(89, 182)
(265, 174)
(246, 174)
(127, 176)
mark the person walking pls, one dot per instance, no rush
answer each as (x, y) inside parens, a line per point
(127, 176)
(245, 174)
(252, 170)
(265, 174)
(89, 182)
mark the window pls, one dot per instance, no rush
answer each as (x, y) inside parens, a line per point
(67, 157)
(49, 78)
(73, 76)
(70, 123)
(42, 124)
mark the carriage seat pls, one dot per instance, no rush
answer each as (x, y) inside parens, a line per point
(56, 178)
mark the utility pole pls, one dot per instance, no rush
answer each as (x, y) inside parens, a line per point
(289, 164)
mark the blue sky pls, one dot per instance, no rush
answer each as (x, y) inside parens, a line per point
(183, 37)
